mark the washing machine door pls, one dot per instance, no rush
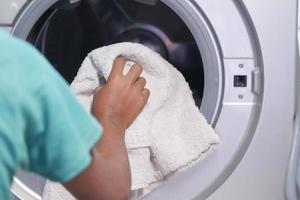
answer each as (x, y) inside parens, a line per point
(225, 72)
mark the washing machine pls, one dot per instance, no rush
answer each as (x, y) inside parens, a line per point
(239, 57)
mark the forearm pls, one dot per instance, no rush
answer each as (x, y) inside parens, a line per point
(108, 176)
(113, 151)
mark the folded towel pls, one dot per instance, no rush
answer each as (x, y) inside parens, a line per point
(170, 134)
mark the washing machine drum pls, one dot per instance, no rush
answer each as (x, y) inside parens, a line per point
(66, 35)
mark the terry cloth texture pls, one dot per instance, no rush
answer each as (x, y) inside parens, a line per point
(170, 134)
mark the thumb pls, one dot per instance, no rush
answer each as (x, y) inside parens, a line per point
(97, 89)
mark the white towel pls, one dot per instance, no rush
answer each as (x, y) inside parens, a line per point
(170, 134)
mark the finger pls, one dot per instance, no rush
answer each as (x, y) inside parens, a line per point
(118, 66)
(140, 83)
(143, 98)
(146, 93)
(134, 72)
(98, 89)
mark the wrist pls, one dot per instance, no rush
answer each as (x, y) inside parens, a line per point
(111, 141)
(111, 123)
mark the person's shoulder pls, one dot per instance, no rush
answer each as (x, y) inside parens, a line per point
(22, 66)
(15, 49)
(10, 46)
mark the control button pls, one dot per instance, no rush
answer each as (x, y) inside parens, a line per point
(240, 81)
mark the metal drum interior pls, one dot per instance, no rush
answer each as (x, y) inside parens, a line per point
(66, 33)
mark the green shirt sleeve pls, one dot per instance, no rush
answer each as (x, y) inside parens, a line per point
(60, 133)
(43, 128)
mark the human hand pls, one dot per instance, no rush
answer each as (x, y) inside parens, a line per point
(120, 100)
